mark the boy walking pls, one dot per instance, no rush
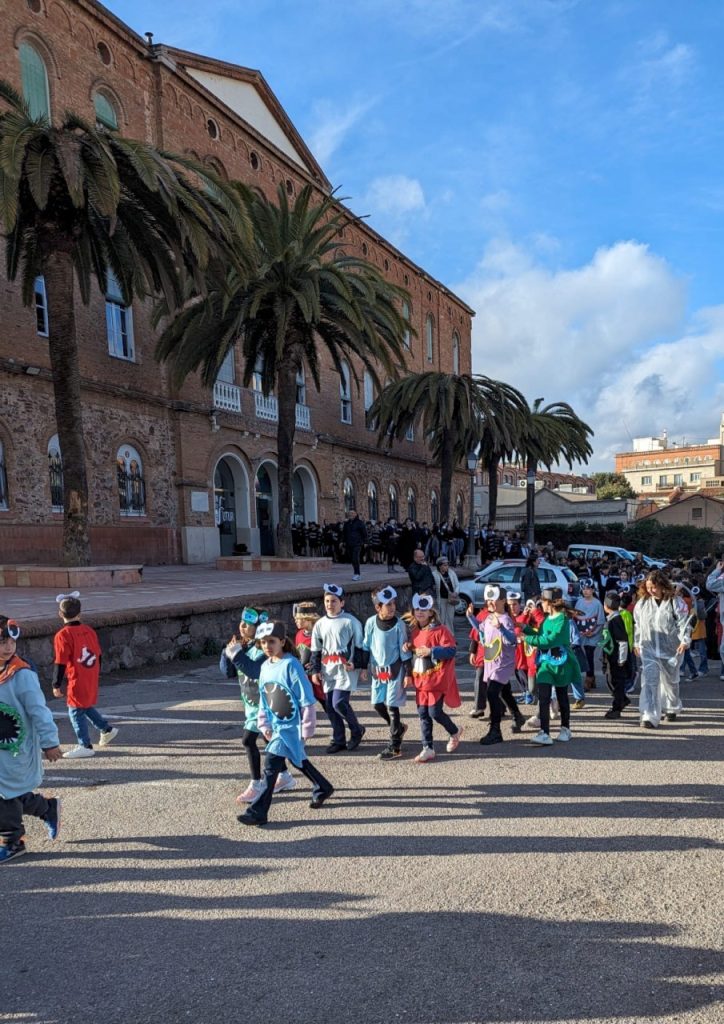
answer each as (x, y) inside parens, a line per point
(337, 655)
(27, 733)
(78, 666)
(617, 654)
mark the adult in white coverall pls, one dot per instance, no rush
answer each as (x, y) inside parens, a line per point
(715, 585)
(662, 632)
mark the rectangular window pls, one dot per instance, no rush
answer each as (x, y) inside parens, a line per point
(695, 477)
(663, 480)
(41, 307)
(697, 513)
(410, 433)
(119, 322)
(226, 370)
(646, 481)
(678, 479)
(301, 388)
(345, 395)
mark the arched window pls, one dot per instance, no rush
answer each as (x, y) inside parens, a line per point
(350, 501)
(369, 394)
(119, 322)
(394, 507)
(372, 508)
(34, 78)
(345, 395)
(459, 507)
(456, 352)
(3, 480)
(406, 316)
(131, 486)
(55, 474)
(434, 507)
(429, 337)
(106, 116)
(411, 505)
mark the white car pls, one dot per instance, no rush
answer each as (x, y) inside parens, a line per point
(508, 573)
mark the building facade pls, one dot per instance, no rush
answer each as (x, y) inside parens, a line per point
(186, 475)
(657, 466)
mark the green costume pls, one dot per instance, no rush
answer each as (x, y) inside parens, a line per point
(557, 664)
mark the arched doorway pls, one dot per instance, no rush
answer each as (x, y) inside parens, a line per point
(231, 504)
(265, 519)
(304, 496)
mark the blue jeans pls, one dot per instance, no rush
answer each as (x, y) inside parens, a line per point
(577, 688)
(434, 711)
(700, 647)
(78, 718)
(688, 663)
(339, 712)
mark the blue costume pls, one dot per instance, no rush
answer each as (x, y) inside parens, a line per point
(337, 656)
(248, 685)
(388, 666)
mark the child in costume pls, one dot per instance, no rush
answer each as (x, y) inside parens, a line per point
(305, 617)
(526, 657)
(337, 656)
(433, 675)
(287, 716)
(27, 734)
(78, 666)
(497, 643)
(662, 632)
(626, 613)
(590, 620)
(475, 655)
(557, 666)
(617, 654)
(385, 637)
(250, 619)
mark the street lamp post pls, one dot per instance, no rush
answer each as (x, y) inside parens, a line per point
(471, 559)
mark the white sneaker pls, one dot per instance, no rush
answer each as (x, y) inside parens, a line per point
(454, 742)
(285, 783)
(252, 791)
(542, 739)
(425, 755)
(107, 737)
(532, 723)
(564, 735)
(354, 578)
(80, 751)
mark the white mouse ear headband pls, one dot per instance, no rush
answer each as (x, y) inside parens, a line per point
(514, 595)
(422, 603)
(63, 597)
(10, 630)
(385, 595)
(491, 592)
(334, 590)
(271, 628)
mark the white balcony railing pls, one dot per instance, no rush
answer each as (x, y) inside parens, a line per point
(304, 420)
(227, 396)
(266, 407)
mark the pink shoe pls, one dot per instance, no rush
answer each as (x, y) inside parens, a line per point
(251, 792)
(454, 742)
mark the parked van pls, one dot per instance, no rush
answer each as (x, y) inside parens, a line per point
(589, 553)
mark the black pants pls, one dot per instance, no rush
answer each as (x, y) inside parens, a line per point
(12, 811)
(392, 717)
(273, 765)
(617, 680)
(590, 651)
(481, 690)
(498, 694)
(248, 741)
(544, 705)
(354, 557)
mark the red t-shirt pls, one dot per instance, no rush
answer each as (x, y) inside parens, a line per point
(77, 647)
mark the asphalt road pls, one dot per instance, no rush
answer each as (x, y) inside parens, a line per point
(581, 882)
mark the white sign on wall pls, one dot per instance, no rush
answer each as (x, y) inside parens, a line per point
(199, 501)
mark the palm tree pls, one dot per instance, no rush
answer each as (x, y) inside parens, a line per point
(451, 409)
(78, 203)
(297, 299)
(552, 433)
(496, 438)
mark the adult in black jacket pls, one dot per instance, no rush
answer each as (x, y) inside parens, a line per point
(420, 573)
(354, 535)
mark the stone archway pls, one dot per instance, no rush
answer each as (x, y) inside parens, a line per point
(231, 503)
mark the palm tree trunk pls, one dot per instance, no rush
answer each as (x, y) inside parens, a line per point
(447, 467)
(63, 348)
(287, 405)
(531, 466)
(492, 469)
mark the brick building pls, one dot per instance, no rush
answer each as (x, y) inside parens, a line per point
(184, 475)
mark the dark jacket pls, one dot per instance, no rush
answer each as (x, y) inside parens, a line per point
(354, 533)
(421, 578)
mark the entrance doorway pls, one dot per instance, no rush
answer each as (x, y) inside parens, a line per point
(265, 511)
(225, 507)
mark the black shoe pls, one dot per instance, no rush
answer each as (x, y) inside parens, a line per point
(611, 713)
(670, 717)
(648, 725)
(476, 714)
(626, 702)
(11, 851)
(356, 740)
(389, 754)
(491, 738)
(52, 819)
(318, 801)
(518, 724)
(250, 819)
(335, 748)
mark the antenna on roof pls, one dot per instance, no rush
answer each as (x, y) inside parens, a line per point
(149, 38)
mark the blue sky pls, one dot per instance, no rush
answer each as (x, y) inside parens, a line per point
(559, 163)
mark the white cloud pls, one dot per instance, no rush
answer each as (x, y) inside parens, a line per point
(659, 72)
(333, 124)
(395, 195)
(600, 337)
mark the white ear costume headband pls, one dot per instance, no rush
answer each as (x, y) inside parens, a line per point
(63, 597)
(385, 595)
(514, 595)
(422, 603)
(334, 590)
(588, 583)
(491, 592)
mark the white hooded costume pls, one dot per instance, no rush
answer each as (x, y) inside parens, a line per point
(659, 628)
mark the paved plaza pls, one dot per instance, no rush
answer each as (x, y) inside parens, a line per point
(577, 883)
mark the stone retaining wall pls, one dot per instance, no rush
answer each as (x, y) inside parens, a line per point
(156, 636)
